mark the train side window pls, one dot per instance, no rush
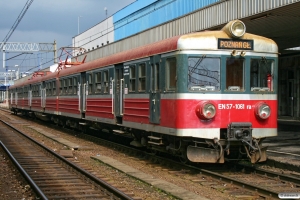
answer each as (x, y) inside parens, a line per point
(235, 74)
(75, 85)
(171, 77)
(36, 90)
(60, 86)
(261, 78)
(105, 81)
(65, 87)
(142, 77)
(90, 82)
(47, 89)
(20, 93)
(70, 90)
(25, 92)
(203, 74)
(132, 78)
(155, 77)
(98, 82)
(33, 90)
(50, 89)
(40, 90)
(54, 87)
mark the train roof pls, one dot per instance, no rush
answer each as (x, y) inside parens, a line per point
(205, 40)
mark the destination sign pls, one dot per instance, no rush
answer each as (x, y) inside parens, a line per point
(235, 44)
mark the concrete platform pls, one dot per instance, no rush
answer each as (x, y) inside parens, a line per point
(165, 186)
(67, 143)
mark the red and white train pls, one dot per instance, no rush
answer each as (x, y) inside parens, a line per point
(205, 96)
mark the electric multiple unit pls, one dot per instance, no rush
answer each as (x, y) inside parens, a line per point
(204, 97)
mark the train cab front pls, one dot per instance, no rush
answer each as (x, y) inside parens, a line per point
(236, 106)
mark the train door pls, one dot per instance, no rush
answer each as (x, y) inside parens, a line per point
(118, 94)
(16, 97)
(29, 96)
(155, 91)
(43, 95)
(82, 94)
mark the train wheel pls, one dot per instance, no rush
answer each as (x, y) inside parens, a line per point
(183, 158)
(153, 151)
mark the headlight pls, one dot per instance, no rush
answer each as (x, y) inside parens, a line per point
(263, 110)
(235, 29)
(205, 110)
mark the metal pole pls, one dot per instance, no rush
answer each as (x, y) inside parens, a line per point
(106, 24)
(3, 57)
(18, 72)
(78, 23)
(55, 52)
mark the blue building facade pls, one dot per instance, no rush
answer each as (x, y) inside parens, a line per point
(144, 14)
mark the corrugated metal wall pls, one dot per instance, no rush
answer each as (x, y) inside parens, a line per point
(217, 14)
(132, 8)
(157, 13)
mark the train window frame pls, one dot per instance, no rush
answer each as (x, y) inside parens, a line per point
(36, 90)
(48, 91)
(90, 83)
(20, 92)
(40, 87)
(205, 83)
(261, 74)
(105, 81)
(170, 74)
(53, 87)
(33, 90)
(70, 86)
(155, 77)
(132, 78)
(65, 86)
(98, 82)
(75, 85)
(240, 87)
(25, 91)
(142, 77)
(60, 86)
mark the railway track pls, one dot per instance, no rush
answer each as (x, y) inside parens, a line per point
(51, 175)
(240, 181)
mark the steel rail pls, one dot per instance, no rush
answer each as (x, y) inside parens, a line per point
(118, 194)
(271, 174)
(24, 173)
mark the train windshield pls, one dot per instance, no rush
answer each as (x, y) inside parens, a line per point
(261, 78)
(235, 74)
(204, 74)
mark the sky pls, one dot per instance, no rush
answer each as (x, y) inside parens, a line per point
(49, 20)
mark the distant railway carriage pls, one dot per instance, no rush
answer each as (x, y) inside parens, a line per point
(205, 96)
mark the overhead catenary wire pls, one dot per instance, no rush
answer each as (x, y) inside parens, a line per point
(112, 28)
(18, 20)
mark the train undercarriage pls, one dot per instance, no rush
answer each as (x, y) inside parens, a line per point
(236, 142)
